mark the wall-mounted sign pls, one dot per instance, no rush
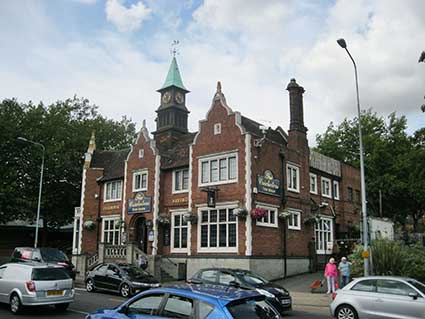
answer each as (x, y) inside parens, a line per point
(150, 235)
(181, 200)
(267, 184)
(140, 204)
(111, 207)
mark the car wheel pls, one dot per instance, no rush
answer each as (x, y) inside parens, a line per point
(125, 290)
(15, 304)
(61, 307)
(346, 312)
(90, 285)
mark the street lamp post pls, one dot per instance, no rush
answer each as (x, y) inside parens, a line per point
(343, 45)
(40, 187)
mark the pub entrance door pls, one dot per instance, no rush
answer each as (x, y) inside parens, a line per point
(142, 234)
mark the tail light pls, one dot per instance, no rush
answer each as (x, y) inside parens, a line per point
(30, 286)
(333, 296)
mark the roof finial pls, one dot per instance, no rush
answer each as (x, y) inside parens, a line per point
(173, 48)
(144, 124)
(219, 86)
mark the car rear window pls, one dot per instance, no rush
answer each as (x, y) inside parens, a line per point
(251, 308)
(53, 255)
(49, 274)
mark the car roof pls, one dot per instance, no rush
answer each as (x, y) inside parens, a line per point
(225, 269)
(383, 277)
(32, 265)
(208, 292)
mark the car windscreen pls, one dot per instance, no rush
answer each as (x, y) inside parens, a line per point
(135, 272)
(252, 308)
(52, 255)
(417, 285)
(49, 274)
(251, 278)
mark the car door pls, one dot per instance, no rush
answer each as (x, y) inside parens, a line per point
(177, 306)
(392, 300)
(147, 306)
(361, 296)
(3, 292)
(99, 276)
(113, 277)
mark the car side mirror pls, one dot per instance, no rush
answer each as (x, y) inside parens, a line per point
(235, 284)
(124, 310)
(195, 281)
(414, 295)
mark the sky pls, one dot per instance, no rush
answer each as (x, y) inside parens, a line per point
(117, 53)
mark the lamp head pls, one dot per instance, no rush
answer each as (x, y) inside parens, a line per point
(342, 43)
(22, 139)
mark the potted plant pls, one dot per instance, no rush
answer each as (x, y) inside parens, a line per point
(240, 212)
(189, 217)
(258, 213)
(89, 225)
(163, 220)
(284, 214)
(120, 223)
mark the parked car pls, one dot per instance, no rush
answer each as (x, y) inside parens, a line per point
(34, 284)
(43, 255)
(380, 297)
(193, 301)
(278, 296)
(122, 278)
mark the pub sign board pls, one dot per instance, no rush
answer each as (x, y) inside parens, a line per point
(140, 204)
(267, 184)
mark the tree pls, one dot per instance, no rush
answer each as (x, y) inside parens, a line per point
(392, 161)
(64, 128)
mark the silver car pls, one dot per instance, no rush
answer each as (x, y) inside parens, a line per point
(35, 285)
(380, 297)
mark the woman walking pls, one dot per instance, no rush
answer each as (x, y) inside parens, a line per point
(331, 274)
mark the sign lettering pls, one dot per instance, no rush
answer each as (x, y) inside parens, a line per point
(267, 184)
(140, 204)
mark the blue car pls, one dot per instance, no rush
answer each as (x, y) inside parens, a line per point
(194, 302)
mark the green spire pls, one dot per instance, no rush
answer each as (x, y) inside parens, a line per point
(173, 77)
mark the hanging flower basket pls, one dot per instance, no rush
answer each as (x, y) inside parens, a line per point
(120, 223)
(189, 217)
(163, 220)
(311, 220)
(258, 213)
(240, 212)
(89, 225)
(284, 214)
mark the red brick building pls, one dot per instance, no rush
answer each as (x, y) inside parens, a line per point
(233, 194)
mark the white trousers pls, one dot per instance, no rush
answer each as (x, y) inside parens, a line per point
(331, 284)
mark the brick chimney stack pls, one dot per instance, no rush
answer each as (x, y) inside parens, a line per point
(296, 107)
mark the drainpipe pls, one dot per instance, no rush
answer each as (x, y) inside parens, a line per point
(283, 201)
(99, 197)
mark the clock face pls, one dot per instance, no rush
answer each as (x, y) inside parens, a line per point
(179, 98)
(166, 98)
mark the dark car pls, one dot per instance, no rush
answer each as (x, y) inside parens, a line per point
(192, 302)
(277, 295)
(43, 255)
(122, 278)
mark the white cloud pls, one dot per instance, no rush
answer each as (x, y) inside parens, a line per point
(126, 19)
(86, 1)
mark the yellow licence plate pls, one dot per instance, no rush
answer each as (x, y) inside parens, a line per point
(55, 293)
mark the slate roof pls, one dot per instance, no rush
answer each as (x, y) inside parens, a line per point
(274, 135)
(112, 163)
(176, 154)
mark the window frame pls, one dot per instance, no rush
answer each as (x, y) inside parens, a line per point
(178, 250)
(170, 296)
(113, 218)
(183, 190)
(269, 208)
(141, 173)
(322, 180)
(316, 192)
(335, 194)
(158, 313)
(318, 241)
(105, 200)
(298, 214)
(217, 157)
(289, 177)
(217, 128)
(217, 249)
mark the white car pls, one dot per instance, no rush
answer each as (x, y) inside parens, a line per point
(28, 284)
(380, 297)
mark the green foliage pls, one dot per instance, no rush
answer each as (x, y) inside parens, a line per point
(64, 128)
(392, 258)
(393, 162)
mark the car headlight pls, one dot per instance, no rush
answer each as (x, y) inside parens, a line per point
(282, 291)
(265, 293)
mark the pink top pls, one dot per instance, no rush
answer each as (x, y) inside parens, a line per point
(331, 270)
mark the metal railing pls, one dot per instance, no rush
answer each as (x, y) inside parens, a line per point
(92, 260)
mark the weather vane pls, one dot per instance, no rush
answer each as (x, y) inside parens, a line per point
(173, 48)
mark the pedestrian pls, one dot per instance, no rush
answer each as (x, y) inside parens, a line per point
(331, 275)
(344, 268)
(143, 262)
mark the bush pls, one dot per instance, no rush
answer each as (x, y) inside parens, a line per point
(392, 258)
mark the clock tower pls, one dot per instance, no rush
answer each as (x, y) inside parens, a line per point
(172, 113)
